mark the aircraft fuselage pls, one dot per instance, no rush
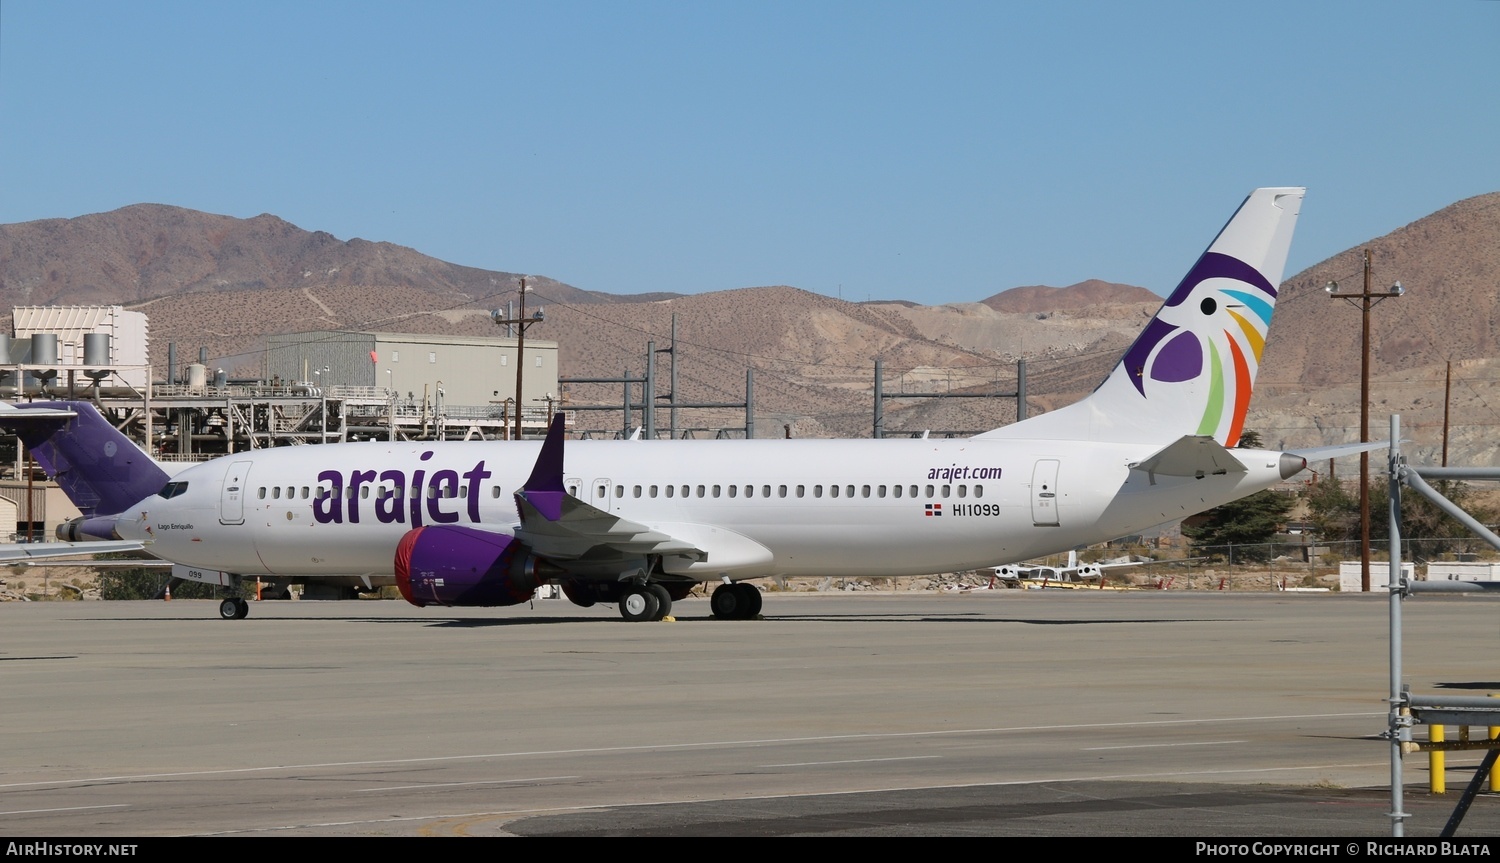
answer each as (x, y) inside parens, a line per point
(761, 508)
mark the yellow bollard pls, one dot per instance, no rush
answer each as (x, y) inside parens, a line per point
(1437, 779)
(1494, 735)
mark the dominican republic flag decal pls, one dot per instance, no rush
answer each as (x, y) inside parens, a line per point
(934, 509)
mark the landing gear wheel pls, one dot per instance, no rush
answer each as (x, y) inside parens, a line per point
(739, 601)
(725, 602)
(234, 609)
(639, 603)
(663, 600)
(750, 596)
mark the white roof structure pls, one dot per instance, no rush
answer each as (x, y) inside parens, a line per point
(129, 342)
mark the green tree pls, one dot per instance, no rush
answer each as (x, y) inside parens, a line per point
(148, 584)
(1332, 510)
(1426, 531)
(1251, 522)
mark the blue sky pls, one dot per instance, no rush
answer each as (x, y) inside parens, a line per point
(935, 151)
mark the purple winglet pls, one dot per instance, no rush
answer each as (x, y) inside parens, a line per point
(544, 489)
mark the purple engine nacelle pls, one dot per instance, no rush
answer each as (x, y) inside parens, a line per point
(453, 565)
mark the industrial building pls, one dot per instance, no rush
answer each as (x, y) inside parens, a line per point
(470, 370)
(322, 386)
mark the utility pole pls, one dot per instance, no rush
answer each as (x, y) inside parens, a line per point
(1447, 395)
(520, 322)
(1366, 299)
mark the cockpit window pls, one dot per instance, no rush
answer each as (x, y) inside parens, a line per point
(173, 489)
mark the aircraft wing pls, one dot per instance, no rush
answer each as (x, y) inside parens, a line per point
(559, 526)
(1017, 570)
(24, 551)
(1191, 456)
(580, 530)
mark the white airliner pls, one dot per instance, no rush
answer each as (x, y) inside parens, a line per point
(639, 523)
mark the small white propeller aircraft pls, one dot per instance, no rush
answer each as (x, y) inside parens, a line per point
(1070, 573)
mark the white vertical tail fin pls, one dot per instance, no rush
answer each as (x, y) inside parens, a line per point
(1191, 371)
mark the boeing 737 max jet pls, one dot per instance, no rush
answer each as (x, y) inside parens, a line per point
(639, 523)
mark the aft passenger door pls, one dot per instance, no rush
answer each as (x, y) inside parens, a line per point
(232, 498)
(1044, 493)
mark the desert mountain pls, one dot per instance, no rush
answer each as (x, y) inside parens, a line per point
(1040, 299)
(146, 251)
(227, 283)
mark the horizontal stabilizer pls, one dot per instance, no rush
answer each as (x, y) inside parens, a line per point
(1193, 456)
(1318, 453)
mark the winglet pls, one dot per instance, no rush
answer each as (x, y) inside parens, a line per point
(544, 489)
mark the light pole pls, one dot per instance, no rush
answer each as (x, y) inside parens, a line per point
(521, 322)
(1365, 299)
(323, 401)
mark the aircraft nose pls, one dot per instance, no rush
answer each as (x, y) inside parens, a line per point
(133, 528)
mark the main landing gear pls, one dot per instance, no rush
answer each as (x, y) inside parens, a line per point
(737, 601)
(234, 609)
(645, 602)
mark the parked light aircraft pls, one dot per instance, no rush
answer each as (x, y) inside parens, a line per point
(639, 523)
(1072, 572)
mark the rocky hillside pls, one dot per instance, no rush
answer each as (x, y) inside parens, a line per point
(226, 283)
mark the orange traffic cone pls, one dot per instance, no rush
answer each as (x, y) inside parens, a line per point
(167, 596)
